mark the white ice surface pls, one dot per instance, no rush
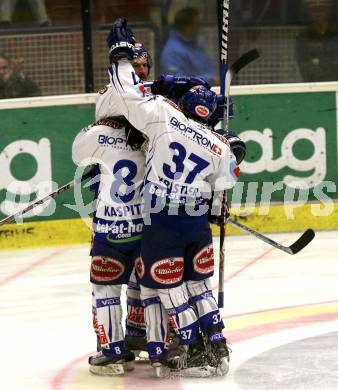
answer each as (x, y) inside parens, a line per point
(46, 332)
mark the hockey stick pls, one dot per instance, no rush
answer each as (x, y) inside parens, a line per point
(223, 16)
(52, 195)
(244, 60)
(294, 248)
(240, 63)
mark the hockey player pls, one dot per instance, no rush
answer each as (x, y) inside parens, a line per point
(185, 162)
(141, 61)
(117, 226)
(175, 87)
(135, 334)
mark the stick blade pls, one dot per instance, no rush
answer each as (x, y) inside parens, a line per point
(302, 241)
(244, 60)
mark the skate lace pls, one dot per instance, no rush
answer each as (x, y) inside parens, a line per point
(182, 361)
(214, 358)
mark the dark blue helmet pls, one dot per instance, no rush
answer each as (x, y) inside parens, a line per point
(199, 103)
(141, 52)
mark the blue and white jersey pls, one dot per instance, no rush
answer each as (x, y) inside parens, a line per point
(118, 213)
(185, 160)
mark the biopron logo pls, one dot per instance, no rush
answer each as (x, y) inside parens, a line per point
(20, 192)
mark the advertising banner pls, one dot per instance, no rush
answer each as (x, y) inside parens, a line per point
(291, 144)
(291, 158)
(36, 157)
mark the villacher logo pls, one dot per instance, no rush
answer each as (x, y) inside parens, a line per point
(202, 111)
(168, 271)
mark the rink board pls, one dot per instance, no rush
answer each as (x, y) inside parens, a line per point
(291, 132)
(77, 231)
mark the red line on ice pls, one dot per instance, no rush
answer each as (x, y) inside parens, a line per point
(279, 308)
(31, 266)
(57, 381)
(272, 327)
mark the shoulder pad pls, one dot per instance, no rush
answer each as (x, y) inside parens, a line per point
(221, 138)
(172, 103)
(109, 122)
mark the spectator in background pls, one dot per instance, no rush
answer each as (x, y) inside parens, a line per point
(13, 82)
(317, 47)
(181, 54)
(38, 8)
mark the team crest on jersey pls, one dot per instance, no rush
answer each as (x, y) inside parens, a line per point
(139, 267)
(203, 262)
(105, 269)
(202, 111)
(168, 271)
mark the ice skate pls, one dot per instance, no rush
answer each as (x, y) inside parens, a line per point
(129, 361)
(138, 345)
(160, 366)
(218, 357)
(189, 360)
(103, 365)
(135, 343)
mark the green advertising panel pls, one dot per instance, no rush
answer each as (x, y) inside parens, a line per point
(35, 151)
(291, 143)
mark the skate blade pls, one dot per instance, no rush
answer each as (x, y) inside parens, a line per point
(191, 372)
(161, 371)
(223, 368)
(158, 371)
(196, 372)
(107, 370)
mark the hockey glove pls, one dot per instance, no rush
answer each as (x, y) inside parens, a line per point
(221, 219)
(218, 115)
(135, 139)
(120, 41)
(175, 87)
(237, 145)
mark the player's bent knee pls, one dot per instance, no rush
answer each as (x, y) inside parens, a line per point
(173, 297)
(196, 287)
(106, 292)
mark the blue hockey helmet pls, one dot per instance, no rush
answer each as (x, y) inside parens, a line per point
(141, 52)
(199, 103)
